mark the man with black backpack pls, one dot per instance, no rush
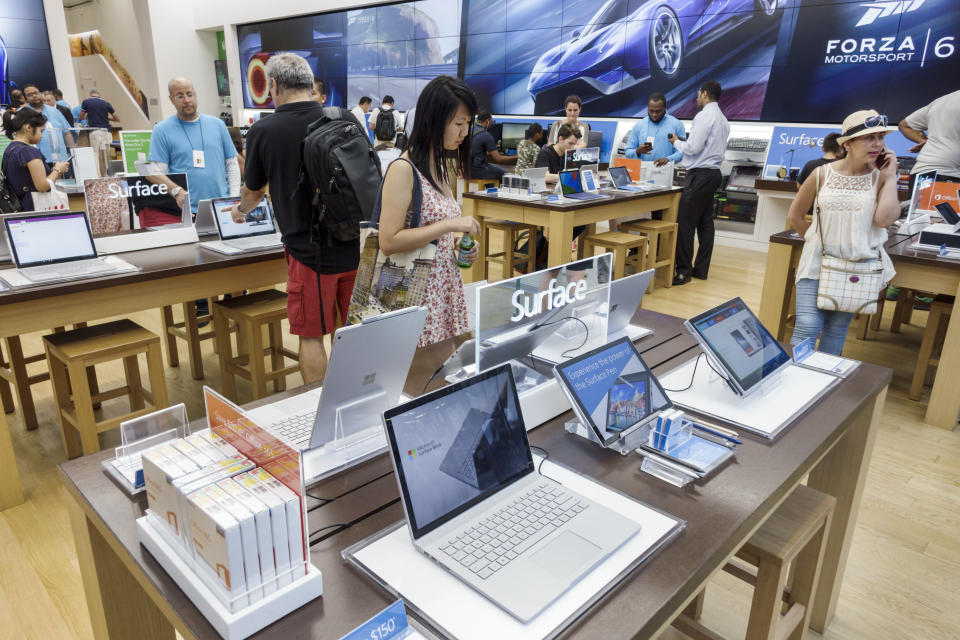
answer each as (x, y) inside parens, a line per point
(321, 260)
(385, 122)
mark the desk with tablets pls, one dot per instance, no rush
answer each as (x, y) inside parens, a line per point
(129, 594)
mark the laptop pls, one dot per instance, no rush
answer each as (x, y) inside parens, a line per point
(571, 187)
(625, 297)
(947, 213)
(204, 222)
(477, 506)
(621, 179)
(538, 179)
(257, 232)
(366, 373)
(733, 337)
(52, 246)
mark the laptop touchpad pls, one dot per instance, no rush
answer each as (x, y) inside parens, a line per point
(565, 555)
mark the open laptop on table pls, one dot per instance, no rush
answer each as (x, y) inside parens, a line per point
(50, 246)
(477, 506)
(621, 179)
(571, 187)
(538, 179)
(257, 232)
(204, 222)
(366, 373)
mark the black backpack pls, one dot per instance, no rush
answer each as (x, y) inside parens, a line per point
(386, 127)
(344, 174)
(9, 200)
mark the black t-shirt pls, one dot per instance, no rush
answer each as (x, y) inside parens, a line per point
(810, 166)
(273, 156)
(67, 114)
(98, 111)
(550, 159)
(483, 143)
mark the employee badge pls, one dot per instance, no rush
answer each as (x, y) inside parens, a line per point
(198, 162)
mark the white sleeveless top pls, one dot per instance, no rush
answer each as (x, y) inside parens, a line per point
(847, 208)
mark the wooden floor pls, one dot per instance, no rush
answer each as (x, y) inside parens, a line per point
(904, 565)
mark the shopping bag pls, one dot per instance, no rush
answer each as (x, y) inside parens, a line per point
(52, 200)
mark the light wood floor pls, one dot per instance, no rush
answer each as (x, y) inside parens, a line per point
(904, 565)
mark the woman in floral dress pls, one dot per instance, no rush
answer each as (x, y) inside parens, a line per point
(445, 109)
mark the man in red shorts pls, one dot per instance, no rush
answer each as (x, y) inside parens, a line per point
(319, 276)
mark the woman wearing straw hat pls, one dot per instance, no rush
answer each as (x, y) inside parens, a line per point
(857, 199)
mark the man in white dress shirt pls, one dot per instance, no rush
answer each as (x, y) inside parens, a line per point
(703, 152)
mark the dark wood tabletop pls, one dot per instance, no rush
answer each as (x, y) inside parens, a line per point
(777, 185)
(719, 513)
(899, 248)
(616, 197)
(163, 262)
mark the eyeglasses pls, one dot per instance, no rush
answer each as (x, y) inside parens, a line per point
(869, 122)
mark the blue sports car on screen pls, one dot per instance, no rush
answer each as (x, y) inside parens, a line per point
(628, 41)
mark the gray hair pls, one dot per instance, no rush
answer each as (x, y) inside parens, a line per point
(290, 71)
(94, 92)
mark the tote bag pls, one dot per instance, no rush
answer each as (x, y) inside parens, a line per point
(53, 200)
(387, 283)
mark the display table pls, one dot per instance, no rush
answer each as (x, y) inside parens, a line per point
(168, 275)
(920, 270)
(774, 198)
(559, 218)
(129, 594)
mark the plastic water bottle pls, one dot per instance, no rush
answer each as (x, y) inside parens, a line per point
(466, 245)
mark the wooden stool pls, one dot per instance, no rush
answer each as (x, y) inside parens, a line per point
(795, 533)
(511, 235)
(933, 336)
(251, 313)
(619, 244)
(189, 331)
(69, 356)
(661, 247)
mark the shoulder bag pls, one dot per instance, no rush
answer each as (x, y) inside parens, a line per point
(852, 286)
(387, 283)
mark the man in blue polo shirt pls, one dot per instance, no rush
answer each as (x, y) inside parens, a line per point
(657, 125)
(97, 111)
(196, 144)
(57, 140)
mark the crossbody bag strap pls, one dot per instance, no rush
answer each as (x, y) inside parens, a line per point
(817, 214)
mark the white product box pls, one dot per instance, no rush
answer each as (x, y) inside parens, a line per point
(160, 468)
(196, 456)
(261, 514)
(278, 524)
(207, 447)
(216, 541)
(248, 539)
(218, 442)
(294, 520)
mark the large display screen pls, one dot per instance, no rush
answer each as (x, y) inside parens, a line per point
(777, 60)
(24, 47)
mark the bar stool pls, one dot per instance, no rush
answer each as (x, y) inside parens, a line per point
(189, 331)
(795, 533)
(251, 313)
(511, 235)
(71, 354)
(661, 247)
(619, 244)
(933, 336)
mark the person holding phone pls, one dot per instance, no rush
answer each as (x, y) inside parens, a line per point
(857, 198)
(23, 163)
(648, 139)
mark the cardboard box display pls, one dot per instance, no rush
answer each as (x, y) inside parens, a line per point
(294, 520)
(248, 539)
(278, 524)
(217, 545)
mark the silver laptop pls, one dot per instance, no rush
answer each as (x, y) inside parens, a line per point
(204, 222)
(538, 179)
(366, 373)
(257, 232)
(625, 297)
(50, 246)
(477, 506)
(621, 179)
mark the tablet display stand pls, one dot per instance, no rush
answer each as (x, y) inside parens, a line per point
(361, 410)
(138, 435)
(628, 443)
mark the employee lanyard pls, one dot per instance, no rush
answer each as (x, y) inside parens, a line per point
(187, 135)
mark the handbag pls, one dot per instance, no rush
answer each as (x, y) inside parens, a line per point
(852, 286)
(387, 283)
(53, 200)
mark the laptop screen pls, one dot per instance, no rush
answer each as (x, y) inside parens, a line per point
(135, 202)
(612, 388)
(257, 222)
(620, 176)
(49, 237)
(922, 191)
(744, 346)
(570, 182)
(455, 447)
(576, 158)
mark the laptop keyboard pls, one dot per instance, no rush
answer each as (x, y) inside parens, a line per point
(254, 242)
(76, 269)
(295, 430)
(501, 538)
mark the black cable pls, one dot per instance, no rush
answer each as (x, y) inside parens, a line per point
(692, 376)
(586, 336)
(546, 456)
(329, 526)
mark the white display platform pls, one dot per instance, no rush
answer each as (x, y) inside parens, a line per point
(16, 280)
(159, 237)
(457, 611)
(766, 411)
(231, 626)
(553, 350)
(541, 403)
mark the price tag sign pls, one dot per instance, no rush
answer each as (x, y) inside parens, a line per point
(389, 624)
(803, 350)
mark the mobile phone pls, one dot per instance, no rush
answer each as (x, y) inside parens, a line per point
(882, 159)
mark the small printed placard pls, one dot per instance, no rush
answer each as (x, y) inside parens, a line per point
(389, 624)
(803, 350)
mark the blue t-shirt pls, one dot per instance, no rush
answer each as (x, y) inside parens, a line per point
(52, 145)
(173, 142)
(15, 159)
(98, 112)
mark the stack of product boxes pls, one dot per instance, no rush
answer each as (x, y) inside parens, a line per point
(236, 524)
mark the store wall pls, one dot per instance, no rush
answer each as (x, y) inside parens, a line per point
(213, 14)
(60, 49)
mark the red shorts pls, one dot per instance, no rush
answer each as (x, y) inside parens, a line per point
(150, 217)
(304, 298)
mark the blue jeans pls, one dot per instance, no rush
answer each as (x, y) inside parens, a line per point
(830, 326)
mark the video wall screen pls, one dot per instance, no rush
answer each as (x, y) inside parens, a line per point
(775, 59)
(24, 47)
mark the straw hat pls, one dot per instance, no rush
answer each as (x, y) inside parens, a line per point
(863, 123)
